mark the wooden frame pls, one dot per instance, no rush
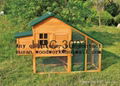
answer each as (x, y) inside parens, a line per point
(45, 22)
(68, 63)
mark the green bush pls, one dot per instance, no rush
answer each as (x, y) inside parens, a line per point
(94, 17)
(2, 2)
(117, 19)
(72, 11)
(106, 18)
(21, 8)
(112, 8)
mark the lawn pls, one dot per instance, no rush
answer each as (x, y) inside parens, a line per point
(17, 70)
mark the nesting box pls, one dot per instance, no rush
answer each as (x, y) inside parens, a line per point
(57, 47)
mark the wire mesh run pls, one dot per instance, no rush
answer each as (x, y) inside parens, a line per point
(52, 64)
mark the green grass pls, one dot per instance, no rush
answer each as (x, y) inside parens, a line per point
(17, 70)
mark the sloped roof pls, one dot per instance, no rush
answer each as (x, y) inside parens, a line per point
(41, 18)
(23, 34)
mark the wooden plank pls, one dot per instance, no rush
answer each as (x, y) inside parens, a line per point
(23, 45)
(50, 55)
(66, 72)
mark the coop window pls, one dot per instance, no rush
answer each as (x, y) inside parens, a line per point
(43, 39)
(43, 35)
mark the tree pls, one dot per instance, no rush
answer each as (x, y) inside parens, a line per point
(2, 2)
(112, 7)
(99, 4)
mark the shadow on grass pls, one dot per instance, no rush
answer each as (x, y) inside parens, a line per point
(108, 59)
(107, 39)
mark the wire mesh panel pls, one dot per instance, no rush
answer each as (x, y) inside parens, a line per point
(78, 51)
(77, 36)
(96, 56)
(52, 64)
(78, 60)
(92, 55)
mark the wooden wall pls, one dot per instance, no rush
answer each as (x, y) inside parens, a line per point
(24, 45)
(56, 30)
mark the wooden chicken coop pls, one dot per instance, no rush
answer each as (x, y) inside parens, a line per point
(57, 47)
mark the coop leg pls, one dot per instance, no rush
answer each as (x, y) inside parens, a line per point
(100, 49)
(69, 63)
(34, 64)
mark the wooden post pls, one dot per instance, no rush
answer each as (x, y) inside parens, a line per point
(100, 55)
(69, 63)
(86, 45)
(34, 52)
(34, 64)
